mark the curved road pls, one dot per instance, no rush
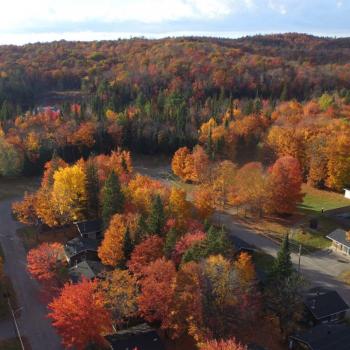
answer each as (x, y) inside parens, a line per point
(33, 323)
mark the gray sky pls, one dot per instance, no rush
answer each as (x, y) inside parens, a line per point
(23, 21)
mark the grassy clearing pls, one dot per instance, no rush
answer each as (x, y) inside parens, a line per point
(11, 344)
(315, 200)
(345, 277)
(15, 187)
(32, 238)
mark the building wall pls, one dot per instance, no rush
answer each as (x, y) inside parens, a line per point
(340, 248)
(347, 194)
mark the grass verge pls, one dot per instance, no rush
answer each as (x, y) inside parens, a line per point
(13, 344)
(345, 277)
(15, 187)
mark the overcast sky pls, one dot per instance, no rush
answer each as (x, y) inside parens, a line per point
(23, 21)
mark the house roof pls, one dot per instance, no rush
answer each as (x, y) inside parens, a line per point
(325, 303)
(87, 268)
(89, 226)
(339, 236)
(79, 244)
(326, 337)
(141, 337)
(240, 245)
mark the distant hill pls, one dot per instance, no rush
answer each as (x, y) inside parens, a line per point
(297, 65)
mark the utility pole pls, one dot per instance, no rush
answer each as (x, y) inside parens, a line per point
(299, 254)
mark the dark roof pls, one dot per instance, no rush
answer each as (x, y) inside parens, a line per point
(89, 226)
(326, 337)
(325, 303)
(339, 236)
(78, 245)
(87, 268)
(141, 337)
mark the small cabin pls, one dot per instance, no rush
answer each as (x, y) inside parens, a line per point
(86, 269)
(340, 241)
(90, 229)
(80, 249)
(325, 306)
(141, 337)
(322, 337)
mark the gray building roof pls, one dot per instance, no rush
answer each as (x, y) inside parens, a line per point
(87, 269)
(325, 303)
(339, 236)
(325, 337)
(78, 245)
(141, 337)
(92, 226)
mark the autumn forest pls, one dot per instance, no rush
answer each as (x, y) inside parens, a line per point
(244, 124)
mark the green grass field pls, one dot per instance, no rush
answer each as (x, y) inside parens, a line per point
(315, 200)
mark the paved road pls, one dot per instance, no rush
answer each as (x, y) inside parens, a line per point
(33, 322)
(320, 268)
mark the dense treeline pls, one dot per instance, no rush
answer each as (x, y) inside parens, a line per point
(238, 98)
(194, 69)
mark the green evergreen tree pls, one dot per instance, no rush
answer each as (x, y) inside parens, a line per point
(92, 185)
(283, 266)
(284, 93)
(112, 198)
(156, 220)
(170, 241)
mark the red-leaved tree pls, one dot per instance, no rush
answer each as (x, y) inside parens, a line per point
(144, 253)
(79, 315)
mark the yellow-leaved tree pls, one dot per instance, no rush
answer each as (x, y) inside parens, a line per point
(69, 194)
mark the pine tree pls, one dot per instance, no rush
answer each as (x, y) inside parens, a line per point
(92, 190)
(283, 266)
(127, 245)
(170, 241)
(113, 198)
(156, 219)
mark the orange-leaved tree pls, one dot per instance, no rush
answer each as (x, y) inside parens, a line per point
(79, 315)
(230, 344)
(111, 251)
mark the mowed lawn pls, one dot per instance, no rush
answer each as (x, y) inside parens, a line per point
(315, 200)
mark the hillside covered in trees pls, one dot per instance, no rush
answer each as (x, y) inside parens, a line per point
(254, 98)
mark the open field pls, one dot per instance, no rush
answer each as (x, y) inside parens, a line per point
(15, 187)
(315, 200)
